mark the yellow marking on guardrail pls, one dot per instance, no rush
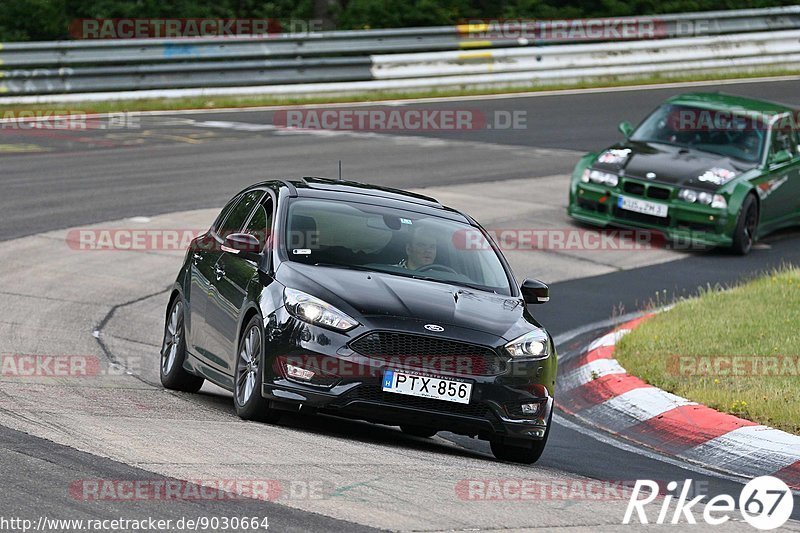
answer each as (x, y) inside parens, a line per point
(3, 89)
(475, 55)
(21, 148)
(475, 44)
(472, 28)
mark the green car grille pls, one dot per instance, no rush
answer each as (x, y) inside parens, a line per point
(655, 192)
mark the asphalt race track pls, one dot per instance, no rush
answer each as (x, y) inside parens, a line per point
(173, 171)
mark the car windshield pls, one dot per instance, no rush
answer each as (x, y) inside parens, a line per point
(393, 241)
(740, 136)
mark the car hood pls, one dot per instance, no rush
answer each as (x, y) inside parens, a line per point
(672, 165)
(367, 295)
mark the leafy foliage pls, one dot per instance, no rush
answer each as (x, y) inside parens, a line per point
(36, 20)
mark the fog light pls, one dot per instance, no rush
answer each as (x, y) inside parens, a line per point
(530, 408)
(299, 373)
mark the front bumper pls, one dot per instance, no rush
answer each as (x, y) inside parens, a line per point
(687, 224)
(483, 418)
(348, 384)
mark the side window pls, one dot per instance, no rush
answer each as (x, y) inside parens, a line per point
(260, 223)
(783, 139)
(224, 213)
(238, 215)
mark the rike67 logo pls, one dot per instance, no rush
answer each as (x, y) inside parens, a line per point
(765, 503)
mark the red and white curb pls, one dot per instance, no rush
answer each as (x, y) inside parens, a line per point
(596, 389)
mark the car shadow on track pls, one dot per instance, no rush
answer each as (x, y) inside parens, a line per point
(350, 429)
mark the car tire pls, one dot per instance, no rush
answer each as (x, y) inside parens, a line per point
(526, 454)
(418, 431)
(173, 352)
(746, 226)
(248, 375)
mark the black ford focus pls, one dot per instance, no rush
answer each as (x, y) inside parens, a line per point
(331, 296)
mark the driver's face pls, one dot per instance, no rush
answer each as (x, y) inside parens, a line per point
(421, 251)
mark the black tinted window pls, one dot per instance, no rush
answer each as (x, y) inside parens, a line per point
(238, 215)
(224, 213)
(261, 222)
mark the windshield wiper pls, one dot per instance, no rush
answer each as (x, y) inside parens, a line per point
(414, 276)
(454, 282)
(346, 267)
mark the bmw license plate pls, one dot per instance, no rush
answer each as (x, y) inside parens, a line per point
(426, 386)
(642, 206)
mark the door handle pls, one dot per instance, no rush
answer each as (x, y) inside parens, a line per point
(220, 272)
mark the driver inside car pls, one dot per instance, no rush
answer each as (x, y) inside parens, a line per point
(420, 250)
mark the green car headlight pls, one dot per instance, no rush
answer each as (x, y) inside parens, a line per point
(533, 345)
(719, 202)
(311, 309)
(691, 196)
(598, 176)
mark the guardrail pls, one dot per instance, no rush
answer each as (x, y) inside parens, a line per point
(468, 54)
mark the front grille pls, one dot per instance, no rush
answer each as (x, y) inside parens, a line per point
(374, 394)
(634, 188)
(633, 216)
(659, 193)
(429, 353)
(650, 191)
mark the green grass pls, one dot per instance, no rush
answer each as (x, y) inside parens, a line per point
(758, 319)
(213, 102)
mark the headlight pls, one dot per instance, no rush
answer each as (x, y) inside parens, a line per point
(598, 176)
(313, 310)
(717, 201)
(688, 195)
(533, 345)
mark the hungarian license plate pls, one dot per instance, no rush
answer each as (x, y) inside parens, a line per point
(426, 386)
(643, 206)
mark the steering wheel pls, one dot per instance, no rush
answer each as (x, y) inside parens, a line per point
(436, 266)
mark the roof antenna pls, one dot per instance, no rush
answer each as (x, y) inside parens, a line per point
(340, 170)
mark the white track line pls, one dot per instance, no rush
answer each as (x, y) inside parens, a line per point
(464, 98)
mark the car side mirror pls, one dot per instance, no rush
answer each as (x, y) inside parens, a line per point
(535, 292)
(779, 157)
(625, 128)
(242, 244)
